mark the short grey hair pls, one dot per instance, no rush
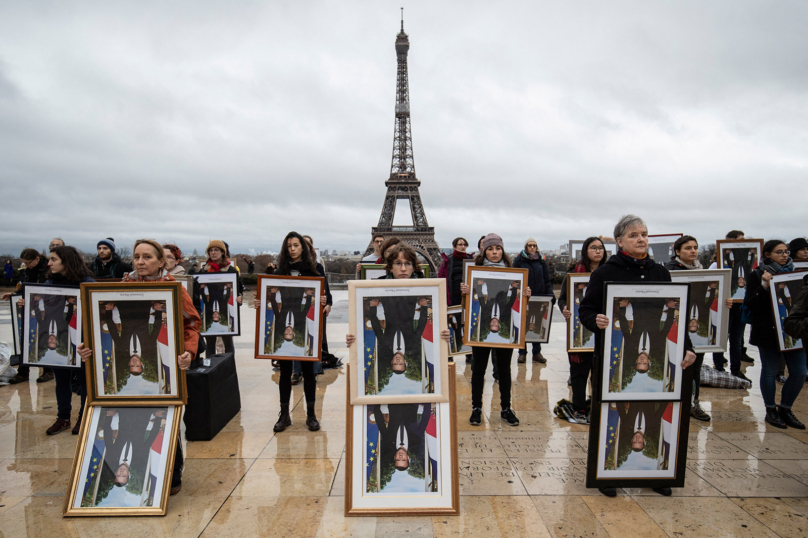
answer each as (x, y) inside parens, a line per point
(626, 222)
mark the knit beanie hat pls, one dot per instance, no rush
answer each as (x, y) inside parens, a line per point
(797, 244)
(217, 244)
(107, 243)
(531, 240)
(491, 240)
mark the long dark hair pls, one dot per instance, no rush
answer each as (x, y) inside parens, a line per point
(770, 245)
(585, 261)
(74, 268)
(285, 261)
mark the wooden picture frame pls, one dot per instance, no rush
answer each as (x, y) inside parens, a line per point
(187, 282)
(575, 246)
(500, 299)
(148, 482)
(456, 324)
(381, 315)
(664, 247)
(749, 252)
(444, 502)
(711, 314)
(783, 290)
(466, 263)
(539, 315)
(645, 355)
(800, 265)
(579, 338)
(105, 385)
(372, 271)
(17, 333)
(308, 323)
(219, 292)
(51, 325)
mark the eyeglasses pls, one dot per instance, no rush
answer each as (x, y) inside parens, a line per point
(531, 245)
(402, 264)
(462, 244)
(781, 252)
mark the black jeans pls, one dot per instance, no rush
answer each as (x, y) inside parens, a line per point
(325, 336)
(176, 476)
(580, 368)
(309, 381)
(210, 344)
(502, 357)
(64, 391)
(697, 375)
(736, 347)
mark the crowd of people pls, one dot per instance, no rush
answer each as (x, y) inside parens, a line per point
(152, 261)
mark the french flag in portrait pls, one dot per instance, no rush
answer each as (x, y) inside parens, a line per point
(516, 317)
(432, 442)
(312, 327)
(612, 422)
(231, 311)
(155, 455)
(667, 433)
(73, 331)
(94, 469)
(674, 359)
(714, 315)
(165, 357)
(427, 339)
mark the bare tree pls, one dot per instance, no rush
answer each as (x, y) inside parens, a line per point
(125, 253)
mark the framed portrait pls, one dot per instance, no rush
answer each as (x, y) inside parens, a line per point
(401, 459)
(741, 257)
(644, 346)
(707, 316)
(456, 328)
(17, 334)
(660, 247)
(371, 271)
(466, 264)
(800, 265)
(579, 338)
(538, 319)
(575, 246)
(495, 314)
(784, 289)
(51, 320)
(397, 324)
(123, 462)
(187, 282)
(289, 322)
(638, 444)
(220, 313)
(135, 330)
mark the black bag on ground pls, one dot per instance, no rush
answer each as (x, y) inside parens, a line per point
(213, 397)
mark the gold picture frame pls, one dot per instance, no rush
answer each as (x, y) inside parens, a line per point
(450, 501)
(473, 308)
(95, 338)
(394, 290)
(88, 463)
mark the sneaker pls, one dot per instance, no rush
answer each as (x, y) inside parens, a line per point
(579, 417)
(508, 416)
(663, 491)
(789, 418)
(46, 376)
(296, 379)
(741, 375)
(312, 423)
(476, 416)
(747, 358)
(522, 358)
(19, 378)
(284, 421)
(59, 426)
(781, 379)
(609, 492)
(773, 418)
(698, 413)
(538, 357)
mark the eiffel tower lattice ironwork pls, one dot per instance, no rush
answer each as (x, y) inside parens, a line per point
(402, 183)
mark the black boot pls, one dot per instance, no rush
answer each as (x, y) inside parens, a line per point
(311, 417)
(284, 420)
(789, 418)
(773, 418)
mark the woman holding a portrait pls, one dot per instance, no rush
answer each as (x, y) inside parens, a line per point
(218, 262)
(775, 261)
(593, 255)
(148, 258)
(630, 264)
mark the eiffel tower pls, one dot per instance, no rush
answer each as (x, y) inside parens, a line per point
(402, 183)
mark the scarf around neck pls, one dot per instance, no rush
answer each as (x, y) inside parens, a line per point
(162, 276)
(534, 256)
(773, 267)
(487, 263)
(696, 263)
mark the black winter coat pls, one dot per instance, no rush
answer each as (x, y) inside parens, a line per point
(538, 275)
(758, 301)
(114, 268)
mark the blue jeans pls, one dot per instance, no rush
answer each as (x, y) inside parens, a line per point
(298, 369)
(770, 359)
(536, 348)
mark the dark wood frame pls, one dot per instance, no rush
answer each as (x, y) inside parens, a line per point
(349, 425)
(88, 333)
(258, 329)
(15, 320)
(571, 300)
(471, 269)
(719, 259)
(775, 314)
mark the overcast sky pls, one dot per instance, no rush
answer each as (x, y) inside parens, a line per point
(190, 120)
